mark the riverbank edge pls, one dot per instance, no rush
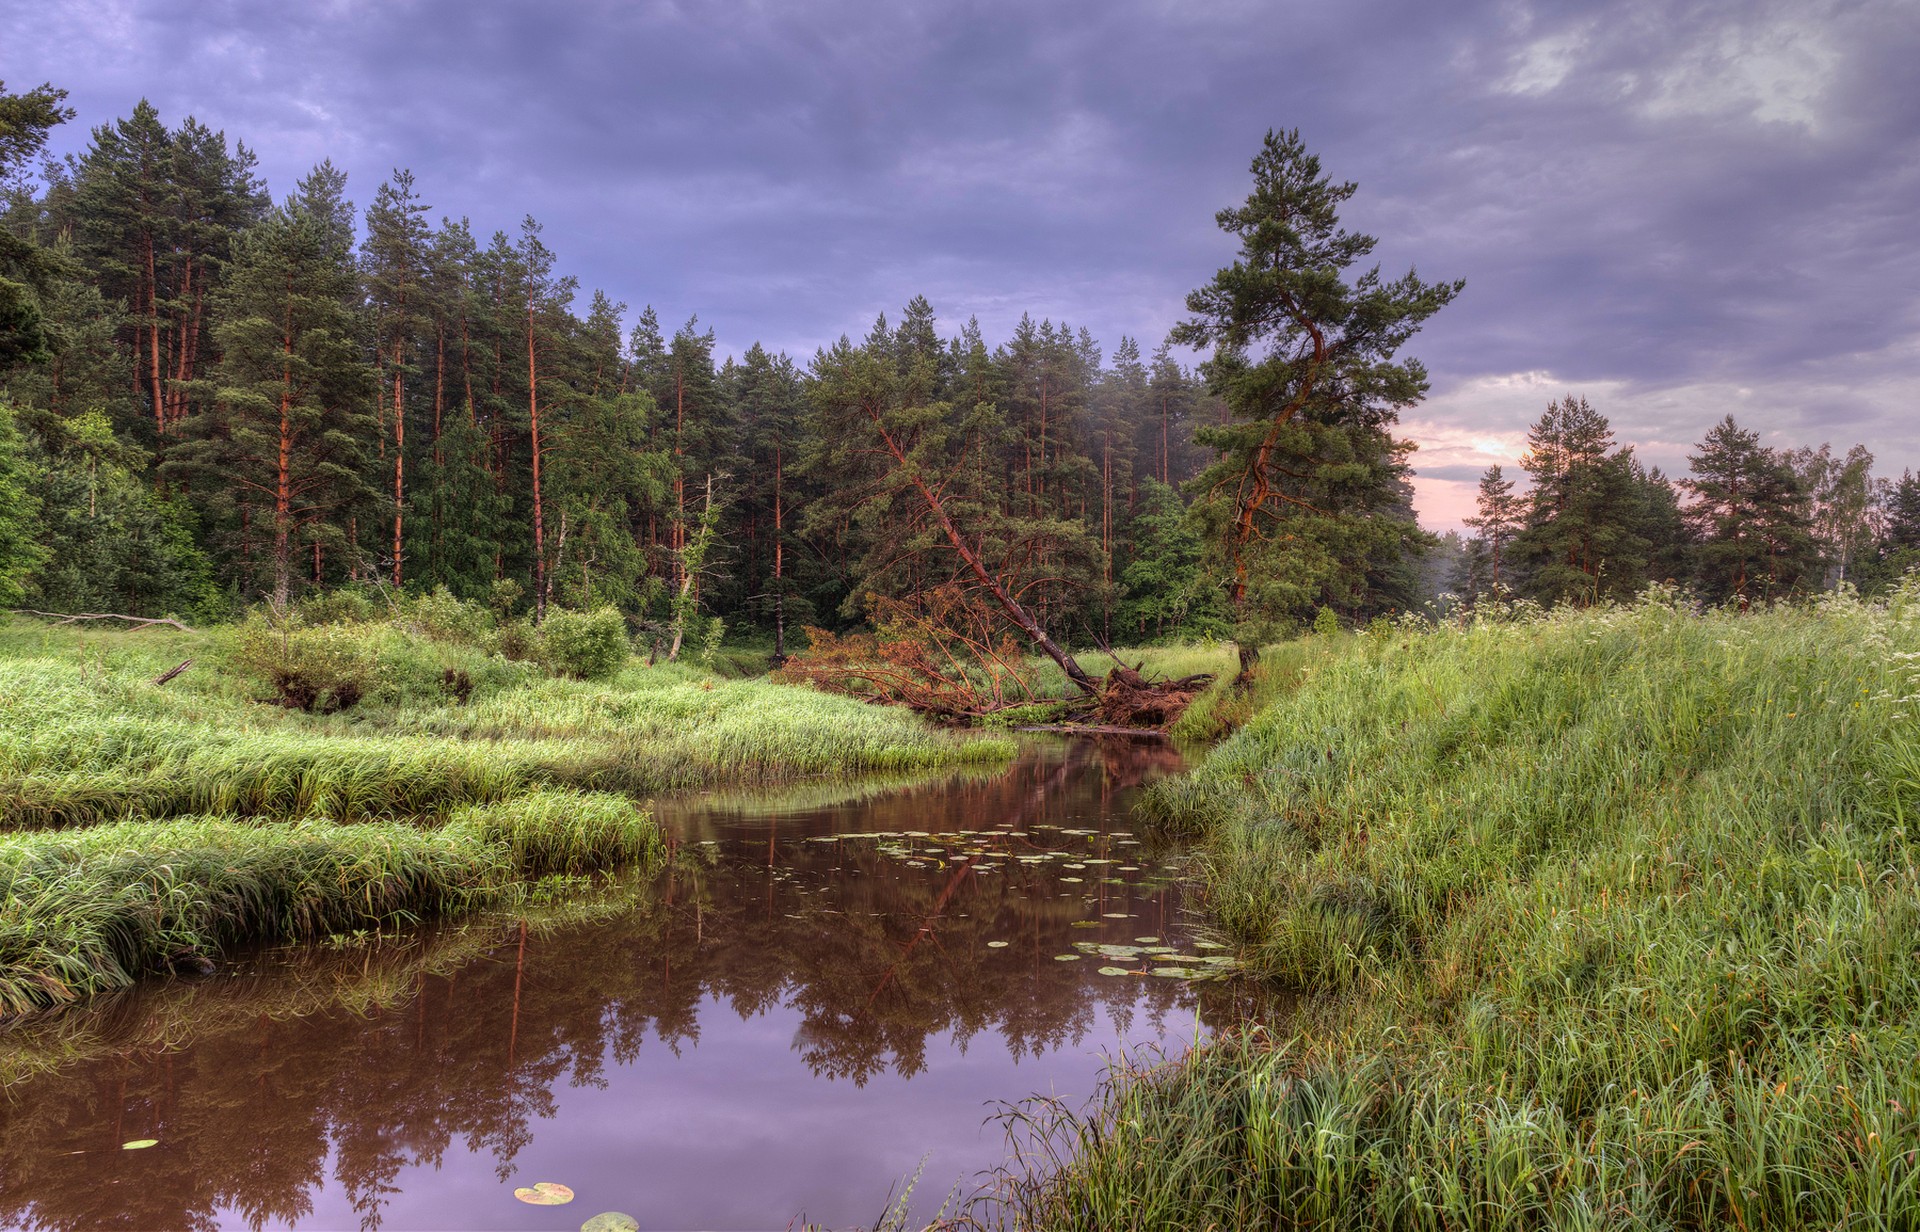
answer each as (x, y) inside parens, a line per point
(94, 910)
(1689, 1004)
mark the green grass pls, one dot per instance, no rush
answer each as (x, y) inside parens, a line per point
(86, 738)
(362, 972)
(86, 911)
(1610, 920)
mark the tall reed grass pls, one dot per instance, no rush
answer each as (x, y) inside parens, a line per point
(90, 910)
(1612, 917)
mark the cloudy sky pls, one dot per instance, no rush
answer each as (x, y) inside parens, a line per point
(1679, 210)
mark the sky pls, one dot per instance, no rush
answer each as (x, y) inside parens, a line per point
(1677, 210)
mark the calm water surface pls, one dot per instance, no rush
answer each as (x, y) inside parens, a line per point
(815, 997)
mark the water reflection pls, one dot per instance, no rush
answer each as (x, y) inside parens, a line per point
(906, 950)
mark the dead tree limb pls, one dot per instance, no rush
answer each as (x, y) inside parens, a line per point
(65, 618)
(171, 672)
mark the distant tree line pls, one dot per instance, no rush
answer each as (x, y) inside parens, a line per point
(209, 398)
(1747, 524)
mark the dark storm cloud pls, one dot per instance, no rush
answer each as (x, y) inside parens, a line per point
(1650, 198)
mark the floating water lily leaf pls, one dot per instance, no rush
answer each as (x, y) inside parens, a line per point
(998, 945)
(1066, 958)
(1179, 973)
(1148, 940)
(1116, 915)
(139, 1144)
(1209, 945)
(1113, 971)
(611, 1221)
(1084, 924)
(1071, 880)
(544, 1193)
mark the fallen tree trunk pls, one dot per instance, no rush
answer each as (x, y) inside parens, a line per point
(1011, 606)
(65, 618)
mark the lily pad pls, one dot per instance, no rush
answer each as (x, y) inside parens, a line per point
(544, 1193)
(1116, 915)
(611, 1221)
(1070, 880)
(139, 1144)
(998, 945)
(1114, 971)
(1066, 958)
(1148, 940)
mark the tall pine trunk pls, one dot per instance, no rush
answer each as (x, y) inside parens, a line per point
(539, 513)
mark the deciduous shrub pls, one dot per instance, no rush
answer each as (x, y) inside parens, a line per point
(318, 669)
(585, 645)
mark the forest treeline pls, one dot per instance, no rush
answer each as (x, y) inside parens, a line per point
(217, 398)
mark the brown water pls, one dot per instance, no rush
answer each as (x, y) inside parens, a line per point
(787, 1022)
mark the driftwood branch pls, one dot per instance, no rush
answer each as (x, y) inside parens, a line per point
(65, 618)
(171, 672)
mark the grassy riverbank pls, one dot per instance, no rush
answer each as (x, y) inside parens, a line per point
(86, 737)
(1611, 919)
(85, 911)
(148, 825)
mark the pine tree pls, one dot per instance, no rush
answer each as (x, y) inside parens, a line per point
(394, 261)
(1307, 483)
(771, 400)
(292, 387)
(1581, 542)
(1749, 517)
(1499, 517)
(26, 273)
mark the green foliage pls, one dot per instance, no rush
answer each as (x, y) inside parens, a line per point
(1593, 513)
(20, 550)
(1306, 503)
(289, 439)
(1325, 623)
(316, 668)
(110, 542)
(1750, 517)
(1610, 916)
(585, 645)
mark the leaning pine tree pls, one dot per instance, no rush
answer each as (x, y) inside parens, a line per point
(1308, 486)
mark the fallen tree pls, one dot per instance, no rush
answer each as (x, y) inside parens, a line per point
(919, 469)
(68, 618)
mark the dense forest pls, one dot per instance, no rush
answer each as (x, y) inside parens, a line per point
(210, 398)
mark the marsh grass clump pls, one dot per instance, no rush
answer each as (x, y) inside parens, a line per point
(561, 832)
(1611, 917)
(90, 910)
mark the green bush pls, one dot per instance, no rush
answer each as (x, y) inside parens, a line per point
(318, 669)
(585, 645)
(443, 617)
(333, 607)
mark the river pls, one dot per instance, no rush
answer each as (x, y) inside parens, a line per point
(825, 991)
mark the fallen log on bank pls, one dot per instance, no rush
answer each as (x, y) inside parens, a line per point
(66, 618)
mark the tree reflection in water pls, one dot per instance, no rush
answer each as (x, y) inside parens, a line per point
(342, 1070)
